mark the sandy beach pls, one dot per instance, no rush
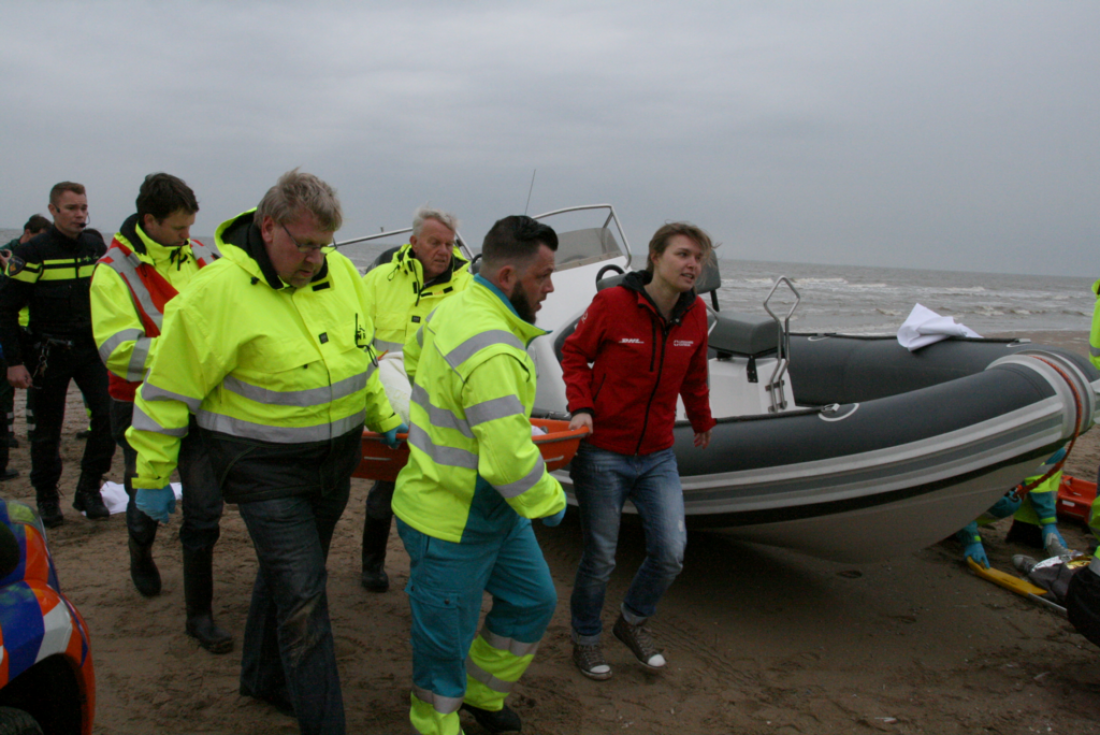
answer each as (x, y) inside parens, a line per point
(759, 640)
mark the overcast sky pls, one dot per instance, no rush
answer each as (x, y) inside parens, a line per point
(951, 135)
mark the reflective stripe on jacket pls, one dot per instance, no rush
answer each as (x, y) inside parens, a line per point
(1094, 336)
(399, 300)
(128, 299)
(471, 456)
(258, 360)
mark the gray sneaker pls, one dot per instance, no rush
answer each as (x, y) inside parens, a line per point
(640, 643)
(590, 660)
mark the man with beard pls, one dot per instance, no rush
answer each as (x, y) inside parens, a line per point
(473, 481)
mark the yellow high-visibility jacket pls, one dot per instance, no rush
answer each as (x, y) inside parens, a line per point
(398, 300)
(130, 287)
(472, 463)
(258, 360)
(1094, 336)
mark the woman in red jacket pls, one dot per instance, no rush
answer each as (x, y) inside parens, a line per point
(639, 346)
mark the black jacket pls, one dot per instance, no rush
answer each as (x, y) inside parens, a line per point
(52, 273)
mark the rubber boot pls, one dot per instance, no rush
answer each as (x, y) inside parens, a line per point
(376, 534)
(88, 499)
(143, 570)
(198, 593)
(49, 507)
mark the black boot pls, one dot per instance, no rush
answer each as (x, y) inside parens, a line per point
(88, 499)
(376, 534)
(143, 570)
(49, 507)
(496, 722)
(198, 593)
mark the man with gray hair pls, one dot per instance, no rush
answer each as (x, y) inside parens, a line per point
(407, 286)
(269, 348)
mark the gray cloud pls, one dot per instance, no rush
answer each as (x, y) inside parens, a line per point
(933, 134)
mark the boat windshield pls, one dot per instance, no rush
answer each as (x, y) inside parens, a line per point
(583, 247)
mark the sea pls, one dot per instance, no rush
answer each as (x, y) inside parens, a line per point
(859, 299)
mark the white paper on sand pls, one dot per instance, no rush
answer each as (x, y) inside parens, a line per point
(114, 496)
(924, 327)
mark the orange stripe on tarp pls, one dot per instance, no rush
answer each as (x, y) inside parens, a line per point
(38, 559)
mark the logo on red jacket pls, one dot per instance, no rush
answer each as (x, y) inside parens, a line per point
(683, 342)
(631, 341)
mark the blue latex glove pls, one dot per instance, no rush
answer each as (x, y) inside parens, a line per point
(976, 551)
(1051, 530)
(157, 504)
(389, 438)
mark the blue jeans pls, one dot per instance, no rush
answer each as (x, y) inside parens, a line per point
(603, 482)
(288, 636)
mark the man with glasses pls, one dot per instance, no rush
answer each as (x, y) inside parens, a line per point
(401, 292)
(269, 348)
(51, 273)
(151, 259)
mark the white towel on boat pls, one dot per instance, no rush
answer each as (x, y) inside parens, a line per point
(924, 327)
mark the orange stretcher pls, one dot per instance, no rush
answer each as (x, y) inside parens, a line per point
(1075, 498)
(379, 462)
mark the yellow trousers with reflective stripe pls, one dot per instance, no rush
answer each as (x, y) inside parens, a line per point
(446, 582)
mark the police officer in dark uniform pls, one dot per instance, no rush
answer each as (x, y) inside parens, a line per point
(51, 273)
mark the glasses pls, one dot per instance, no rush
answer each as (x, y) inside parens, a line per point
(309, 249)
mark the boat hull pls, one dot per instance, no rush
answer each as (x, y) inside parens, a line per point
(924, 444)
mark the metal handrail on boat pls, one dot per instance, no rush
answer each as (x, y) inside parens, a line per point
(611, 217)
(783, 351)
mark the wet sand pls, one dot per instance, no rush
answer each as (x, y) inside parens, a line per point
(759, 640)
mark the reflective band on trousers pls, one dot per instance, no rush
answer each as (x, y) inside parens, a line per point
(280, 434)
(1094, 351)
(480, 341)
(511, 645)
(301, 398)
(477, 673)
(442, 705)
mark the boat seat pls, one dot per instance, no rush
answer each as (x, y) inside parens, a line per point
(743, 334)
